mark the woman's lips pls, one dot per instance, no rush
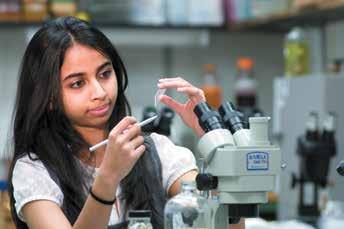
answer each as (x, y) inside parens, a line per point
(99, 111)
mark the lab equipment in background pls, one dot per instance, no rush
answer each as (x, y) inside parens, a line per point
(187, 209)
(109, 11)
(340, 168)
(10, 11)
(206, 12)
(261, 8)
(336, 66)
(211, 87)
(245, 90)
(241, 164)
(315, 151)
(148, 12)
(236, 10)
(139, 219)
(35, 10)
(293, 99)
(82, 10)
(162, 125)
(60, 8)
(241, 10)
(177, 12)
(296, 53)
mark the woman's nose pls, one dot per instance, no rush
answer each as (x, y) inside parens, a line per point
(98, 92)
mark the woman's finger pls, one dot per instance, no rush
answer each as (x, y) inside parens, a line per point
(139, 151)
(173, 104)
(192, 92)
(122, 125)
(171, 79)
(132, 132)
(173, 84)
(137, 142)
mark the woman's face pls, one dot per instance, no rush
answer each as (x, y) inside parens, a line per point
(89, 87)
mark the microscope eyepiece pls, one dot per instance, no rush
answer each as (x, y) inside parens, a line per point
(208, 119)
(231, 117)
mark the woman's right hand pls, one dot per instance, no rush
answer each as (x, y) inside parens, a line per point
(124, 148)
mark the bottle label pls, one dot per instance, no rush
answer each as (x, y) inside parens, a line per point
(178, 221)
(257, 161)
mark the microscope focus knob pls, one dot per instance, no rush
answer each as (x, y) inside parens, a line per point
(206, 181)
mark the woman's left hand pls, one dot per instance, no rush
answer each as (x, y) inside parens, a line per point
(184, 110)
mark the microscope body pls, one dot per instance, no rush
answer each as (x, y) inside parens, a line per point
(244, 166)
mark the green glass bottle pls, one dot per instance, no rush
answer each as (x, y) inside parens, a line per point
(296, 53)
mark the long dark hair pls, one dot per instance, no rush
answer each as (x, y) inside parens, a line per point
(40, 125)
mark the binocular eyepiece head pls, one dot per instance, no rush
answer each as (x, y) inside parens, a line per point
(208, 119)
(227, 117)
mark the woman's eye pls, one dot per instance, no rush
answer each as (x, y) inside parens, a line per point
(106, 74)
(77, 84)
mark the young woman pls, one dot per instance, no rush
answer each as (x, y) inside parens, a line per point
(71, 96)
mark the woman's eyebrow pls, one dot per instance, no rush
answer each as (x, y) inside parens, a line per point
(107, 63)
(77, 74)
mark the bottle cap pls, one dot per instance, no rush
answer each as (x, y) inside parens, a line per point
(209, 68)
(245, 63)
(140, 214)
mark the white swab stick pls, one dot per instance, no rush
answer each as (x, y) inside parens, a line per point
(145, 122)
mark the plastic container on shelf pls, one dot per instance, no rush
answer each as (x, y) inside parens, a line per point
(211, 87)
(177, 12)
(296, 53)
(59, 8)
(35, 10)
(109, 11)
(148, 12)
(187, 209)
(82, 10)
(206, 12)
(10, 11)
(261, 8)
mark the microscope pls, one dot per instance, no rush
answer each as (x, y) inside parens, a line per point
(315, 150)
(161, 125)
(241, 165)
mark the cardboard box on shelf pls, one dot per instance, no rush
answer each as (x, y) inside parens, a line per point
(304, 4)
(332, 3)
(315, 4)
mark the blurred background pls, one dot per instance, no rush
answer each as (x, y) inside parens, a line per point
(277, 58)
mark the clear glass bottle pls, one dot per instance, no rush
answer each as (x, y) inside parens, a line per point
(187, 209)
(140, 219)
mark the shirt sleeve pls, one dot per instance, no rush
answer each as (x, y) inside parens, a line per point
(31, 181)
(175, 160)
